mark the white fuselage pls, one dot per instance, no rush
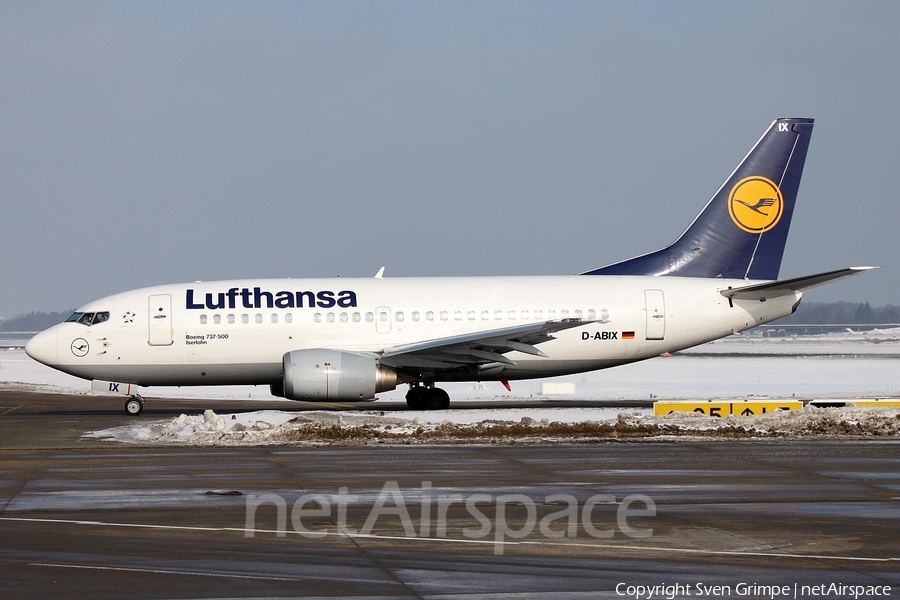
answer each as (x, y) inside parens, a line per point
(236, 332)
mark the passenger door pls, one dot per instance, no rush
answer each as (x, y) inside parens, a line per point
(160, 316)
(655, 304)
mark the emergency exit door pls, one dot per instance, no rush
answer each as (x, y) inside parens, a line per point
(383, 319)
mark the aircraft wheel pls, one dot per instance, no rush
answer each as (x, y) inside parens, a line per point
(134, 407)
(437, 399)
(415, 397)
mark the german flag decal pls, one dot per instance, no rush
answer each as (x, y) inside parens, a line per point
(627, 335)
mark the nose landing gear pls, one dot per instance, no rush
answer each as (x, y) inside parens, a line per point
(427, 397)
(134, 405)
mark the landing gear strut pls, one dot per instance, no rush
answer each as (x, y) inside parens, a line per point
(134, 406)
(420, 397)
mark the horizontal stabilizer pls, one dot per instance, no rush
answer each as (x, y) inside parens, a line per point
(774, 289)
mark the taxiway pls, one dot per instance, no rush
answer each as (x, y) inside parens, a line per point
(93, 519)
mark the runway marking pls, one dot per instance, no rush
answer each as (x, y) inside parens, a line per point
(489, 542)
(9, 410)
(163, 571)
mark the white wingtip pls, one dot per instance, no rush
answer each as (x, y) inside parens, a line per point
(380, 273)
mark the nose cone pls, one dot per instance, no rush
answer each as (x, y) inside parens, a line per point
(43, 348)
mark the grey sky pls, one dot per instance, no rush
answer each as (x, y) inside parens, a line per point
(147, 143)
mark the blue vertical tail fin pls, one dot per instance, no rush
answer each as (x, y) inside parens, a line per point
(742, 231)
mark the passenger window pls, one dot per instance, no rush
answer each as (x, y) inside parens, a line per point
(551, 314)
(230, 319)
(245, 319)
(429, 316)
(578, 313)
(398, 316)
(538, 315)
(288, 318)
(457, 315)
(592, 314)
(415, 315)
(563, 314)
(317, 318)
(259, 318)
(357, 317)
(470, 315)
(485, 315)
(444, 315)
(383, 317)
(344, 317)
(511, 315)
(274, 317)
(498, 315)
(203, 319)
(604, 314)
(329, 317)
(217, 318)
(524, 315)
(370, 317)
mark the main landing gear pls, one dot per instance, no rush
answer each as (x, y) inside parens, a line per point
(422, 397)
(134, 405)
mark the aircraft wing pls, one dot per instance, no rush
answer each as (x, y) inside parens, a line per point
(773, 289)
(477, 348)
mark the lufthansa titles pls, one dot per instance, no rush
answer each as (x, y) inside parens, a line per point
(259, 298)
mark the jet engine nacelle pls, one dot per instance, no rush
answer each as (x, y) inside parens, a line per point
(333, 376)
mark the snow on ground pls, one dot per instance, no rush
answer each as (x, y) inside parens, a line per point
(848, 342)
(272, 426)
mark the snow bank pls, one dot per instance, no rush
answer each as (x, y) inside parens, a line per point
(474, 426)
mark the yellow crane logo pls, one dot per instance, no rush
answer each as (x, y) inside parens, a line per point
(756, 204)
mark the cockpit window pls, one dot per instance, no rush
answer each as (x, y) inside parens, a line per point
(89, 318)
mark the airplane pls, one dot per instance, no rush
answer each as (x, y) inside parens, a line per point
(334, 340)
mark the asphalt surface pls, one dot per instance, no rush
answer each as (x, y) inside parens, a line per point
(89, 519)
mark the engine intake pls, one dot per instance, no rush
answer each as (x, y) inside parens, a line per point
(334, 376)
